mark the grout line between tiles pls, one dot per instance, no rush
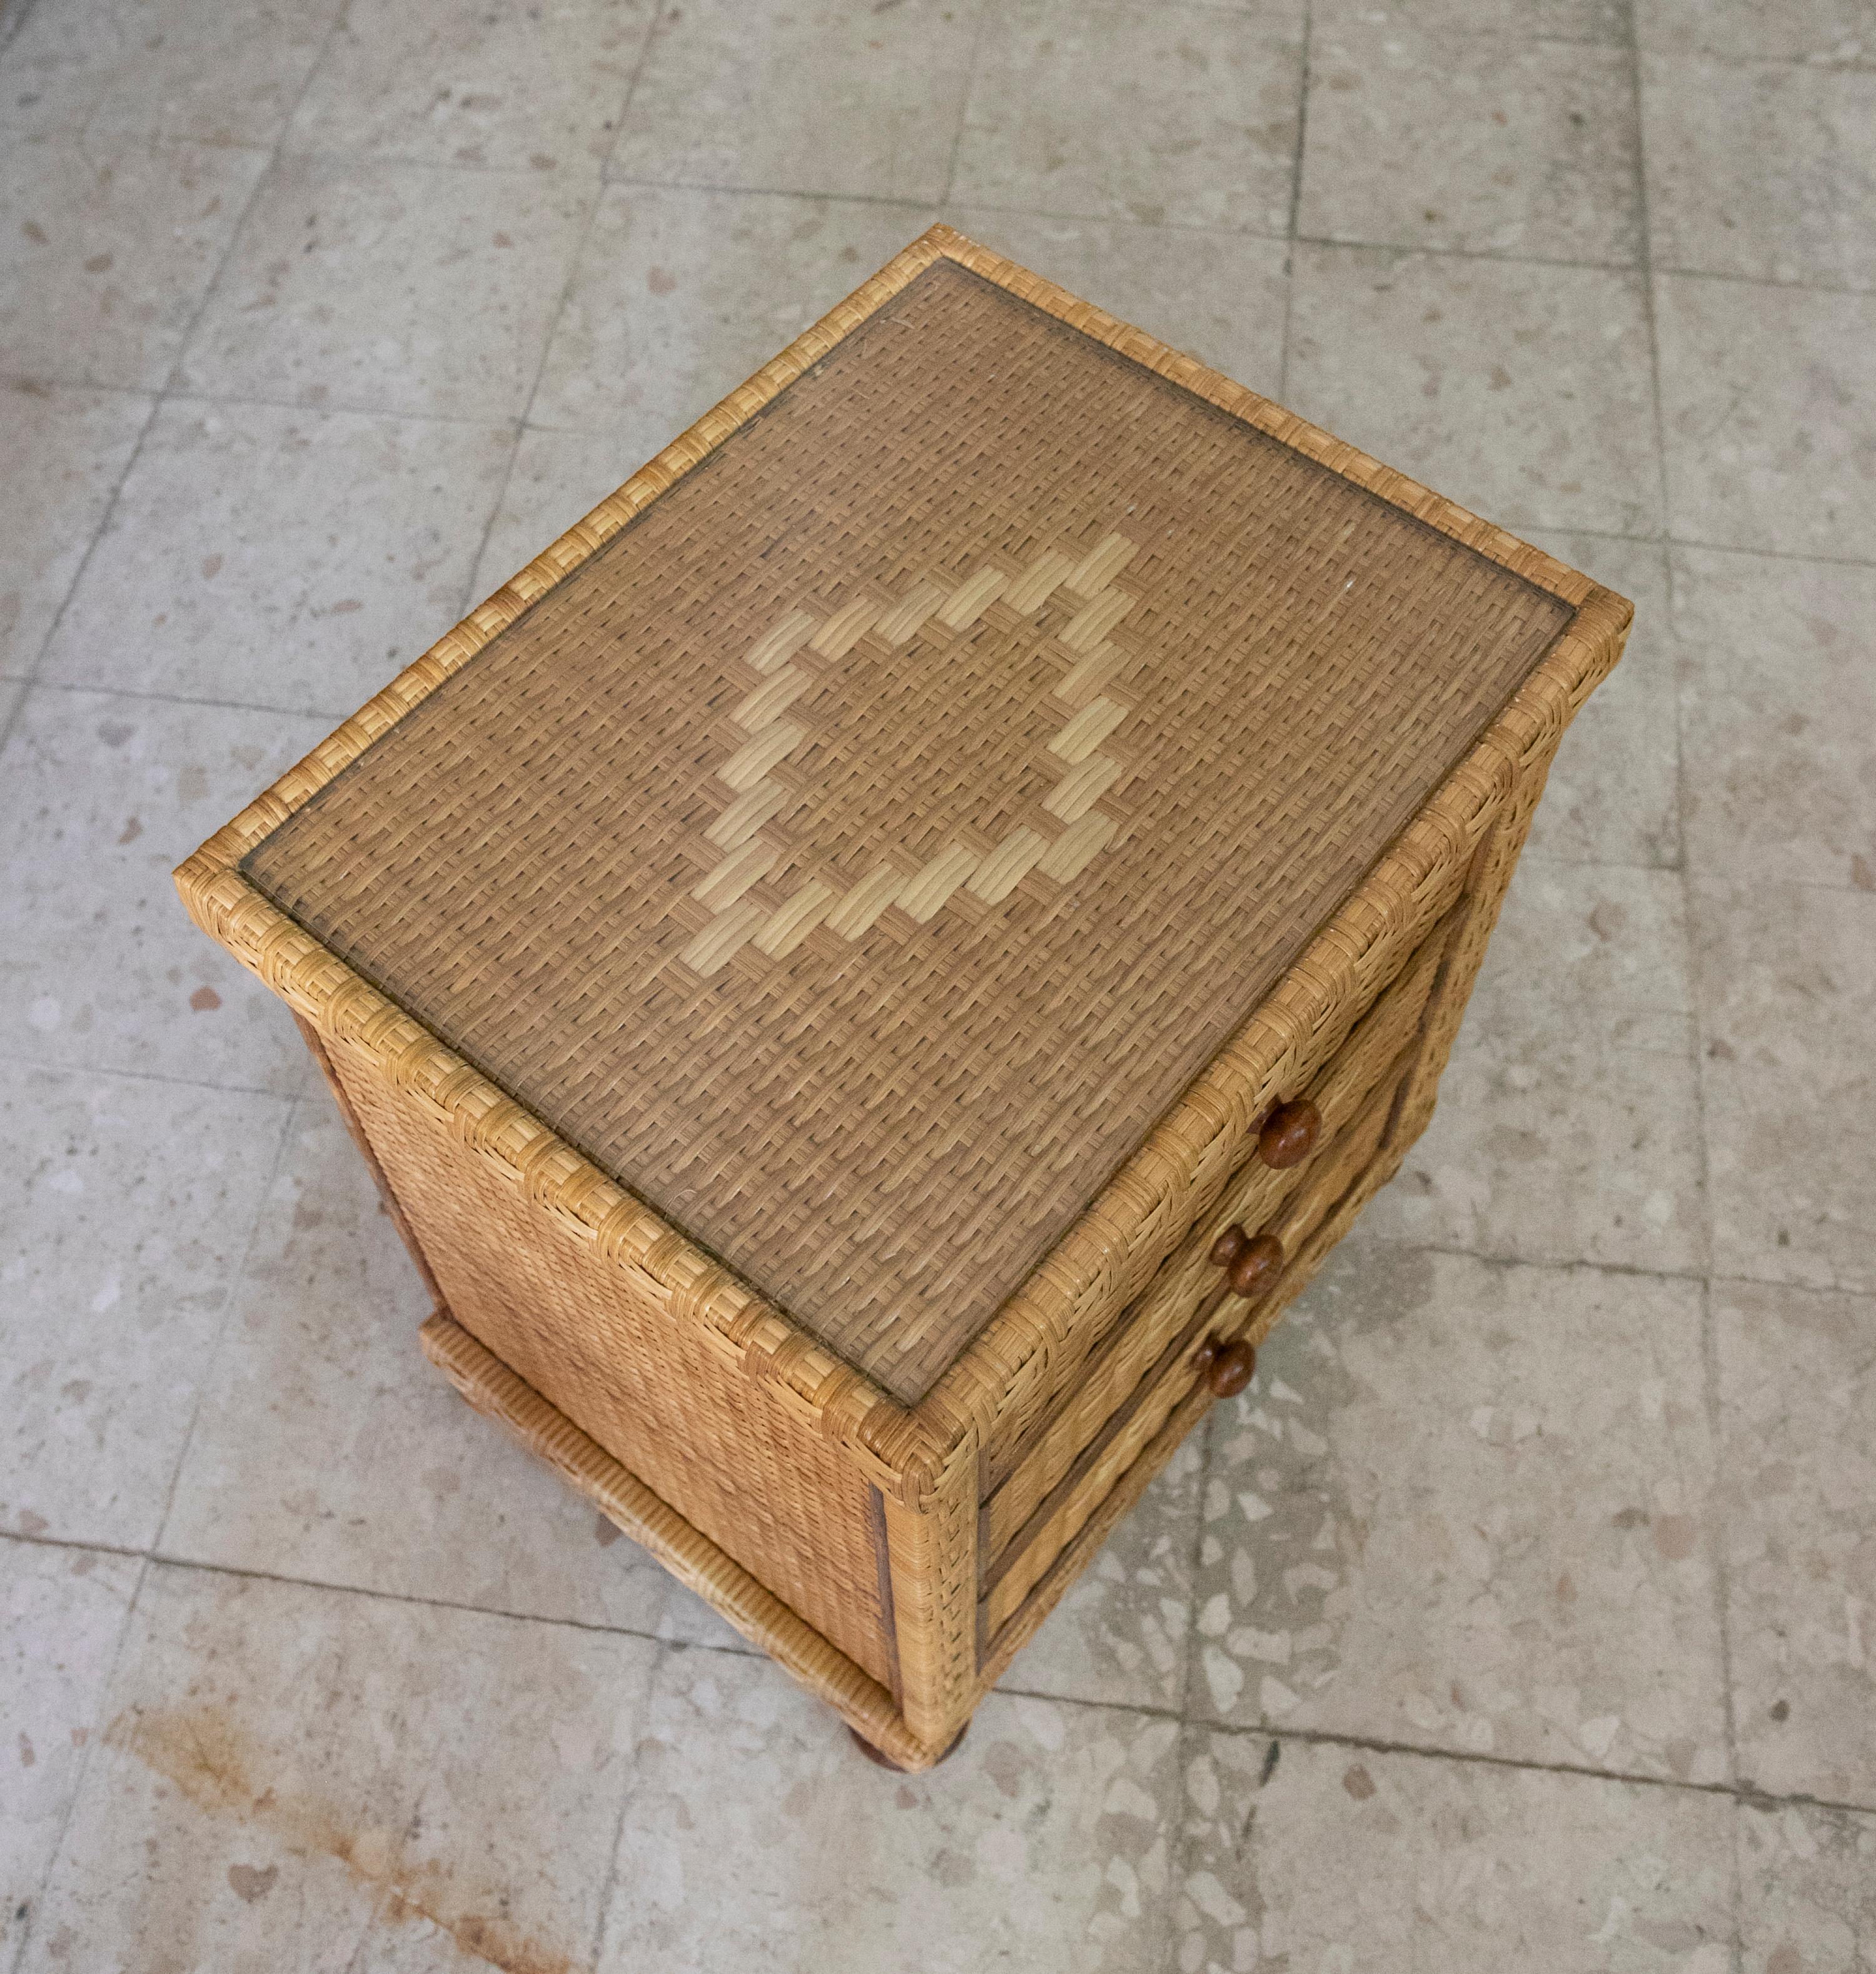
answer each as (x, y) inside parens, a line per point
(1195, 1562)
(187, 699)
(1766, 281)
(1548, 1264)
(964, 101)
(1291, 233)
(602, 1910)
(236, 1281)
(574, 260)
(1380, 1745)
(145, 1075)
(322, 154)
(28, 675)
(1709, 1386)
(1717, 1520)
(1639, 266)
(1645, 222)
(1672, 541)
(167, 1559)
(93, 1742)
(161, 394)
(329, 405)
(1556, 860)
(637, 181)
(1405, 249)
(1745, 1793)
(1751, 1798)
(1717, 1523)
(1821, 65)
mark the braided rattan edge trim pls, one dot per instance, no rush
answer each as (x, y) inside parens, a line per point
(907, 1452)
(690, 1556)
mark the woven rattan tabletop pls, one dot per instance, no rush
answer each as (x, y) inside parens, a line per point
(858, 853)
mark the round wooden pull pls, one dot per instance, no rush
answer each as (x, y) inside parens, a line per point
(1289, 1133)
(1257, 1266)
(1229, 1246)
(1227, 1368)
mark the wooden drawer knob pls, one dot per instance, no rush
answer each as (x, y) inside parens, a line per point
(1289, 1134)
(1229, 1246)
(1227, 1368)
(1256, 1266)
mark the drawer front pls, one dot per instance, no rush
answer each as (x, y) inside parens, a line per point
(1254, 1197)
(1173, 1384)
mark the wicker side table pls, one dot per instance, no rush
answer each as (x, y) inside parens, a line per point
(872, 970)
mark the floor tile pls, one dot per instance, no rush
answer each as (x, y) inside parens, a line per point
(1182, 117)
(378, 286)
(66, 451)
(273, 557)
(1433, 1521)
(127, 1210)
(1769, 406)
(1220, 296)
(106, 252)
(1339, 1859)
(1553, 21)
(101, 796)
(328, 1450)
(1119, 1636)
(1568, 1125)
(1779, 660)
(1788, 1022)
(196, 71)
(1522, 392)
(1798, 1462)
(1284, 16)
(1837, 31)
(1807, 1890)
(458, 82)
(304, 1781)
(1458, 141)
(1763, 169)
(1613, 796)
(680, 295)
(62, 1614)
(835, 97)
(755, 1836)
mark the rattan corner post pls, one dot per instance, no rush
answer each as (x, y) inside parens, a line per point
(872, 970)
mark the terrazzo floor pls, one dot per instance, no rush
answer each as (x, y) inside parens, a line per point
(1523, 1615)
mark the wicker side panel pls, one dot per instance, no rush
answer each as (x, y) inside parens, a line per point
(496, 1392)
(594, 1339)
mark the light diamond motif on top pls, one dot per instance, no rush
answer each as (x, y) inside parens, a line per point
(745, 856)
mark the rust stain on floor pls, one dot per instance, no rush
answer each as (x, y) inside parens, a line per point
(199, 1751)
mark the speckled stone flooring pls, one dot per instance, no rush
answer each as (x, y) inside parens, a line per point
(1523, 1613)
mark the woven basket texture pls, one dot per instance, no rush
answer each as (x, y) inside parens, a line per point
(858, 854)
(688, 1424)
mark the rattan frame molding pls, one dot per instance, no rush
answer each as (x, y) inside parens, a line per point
(921, 1457)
